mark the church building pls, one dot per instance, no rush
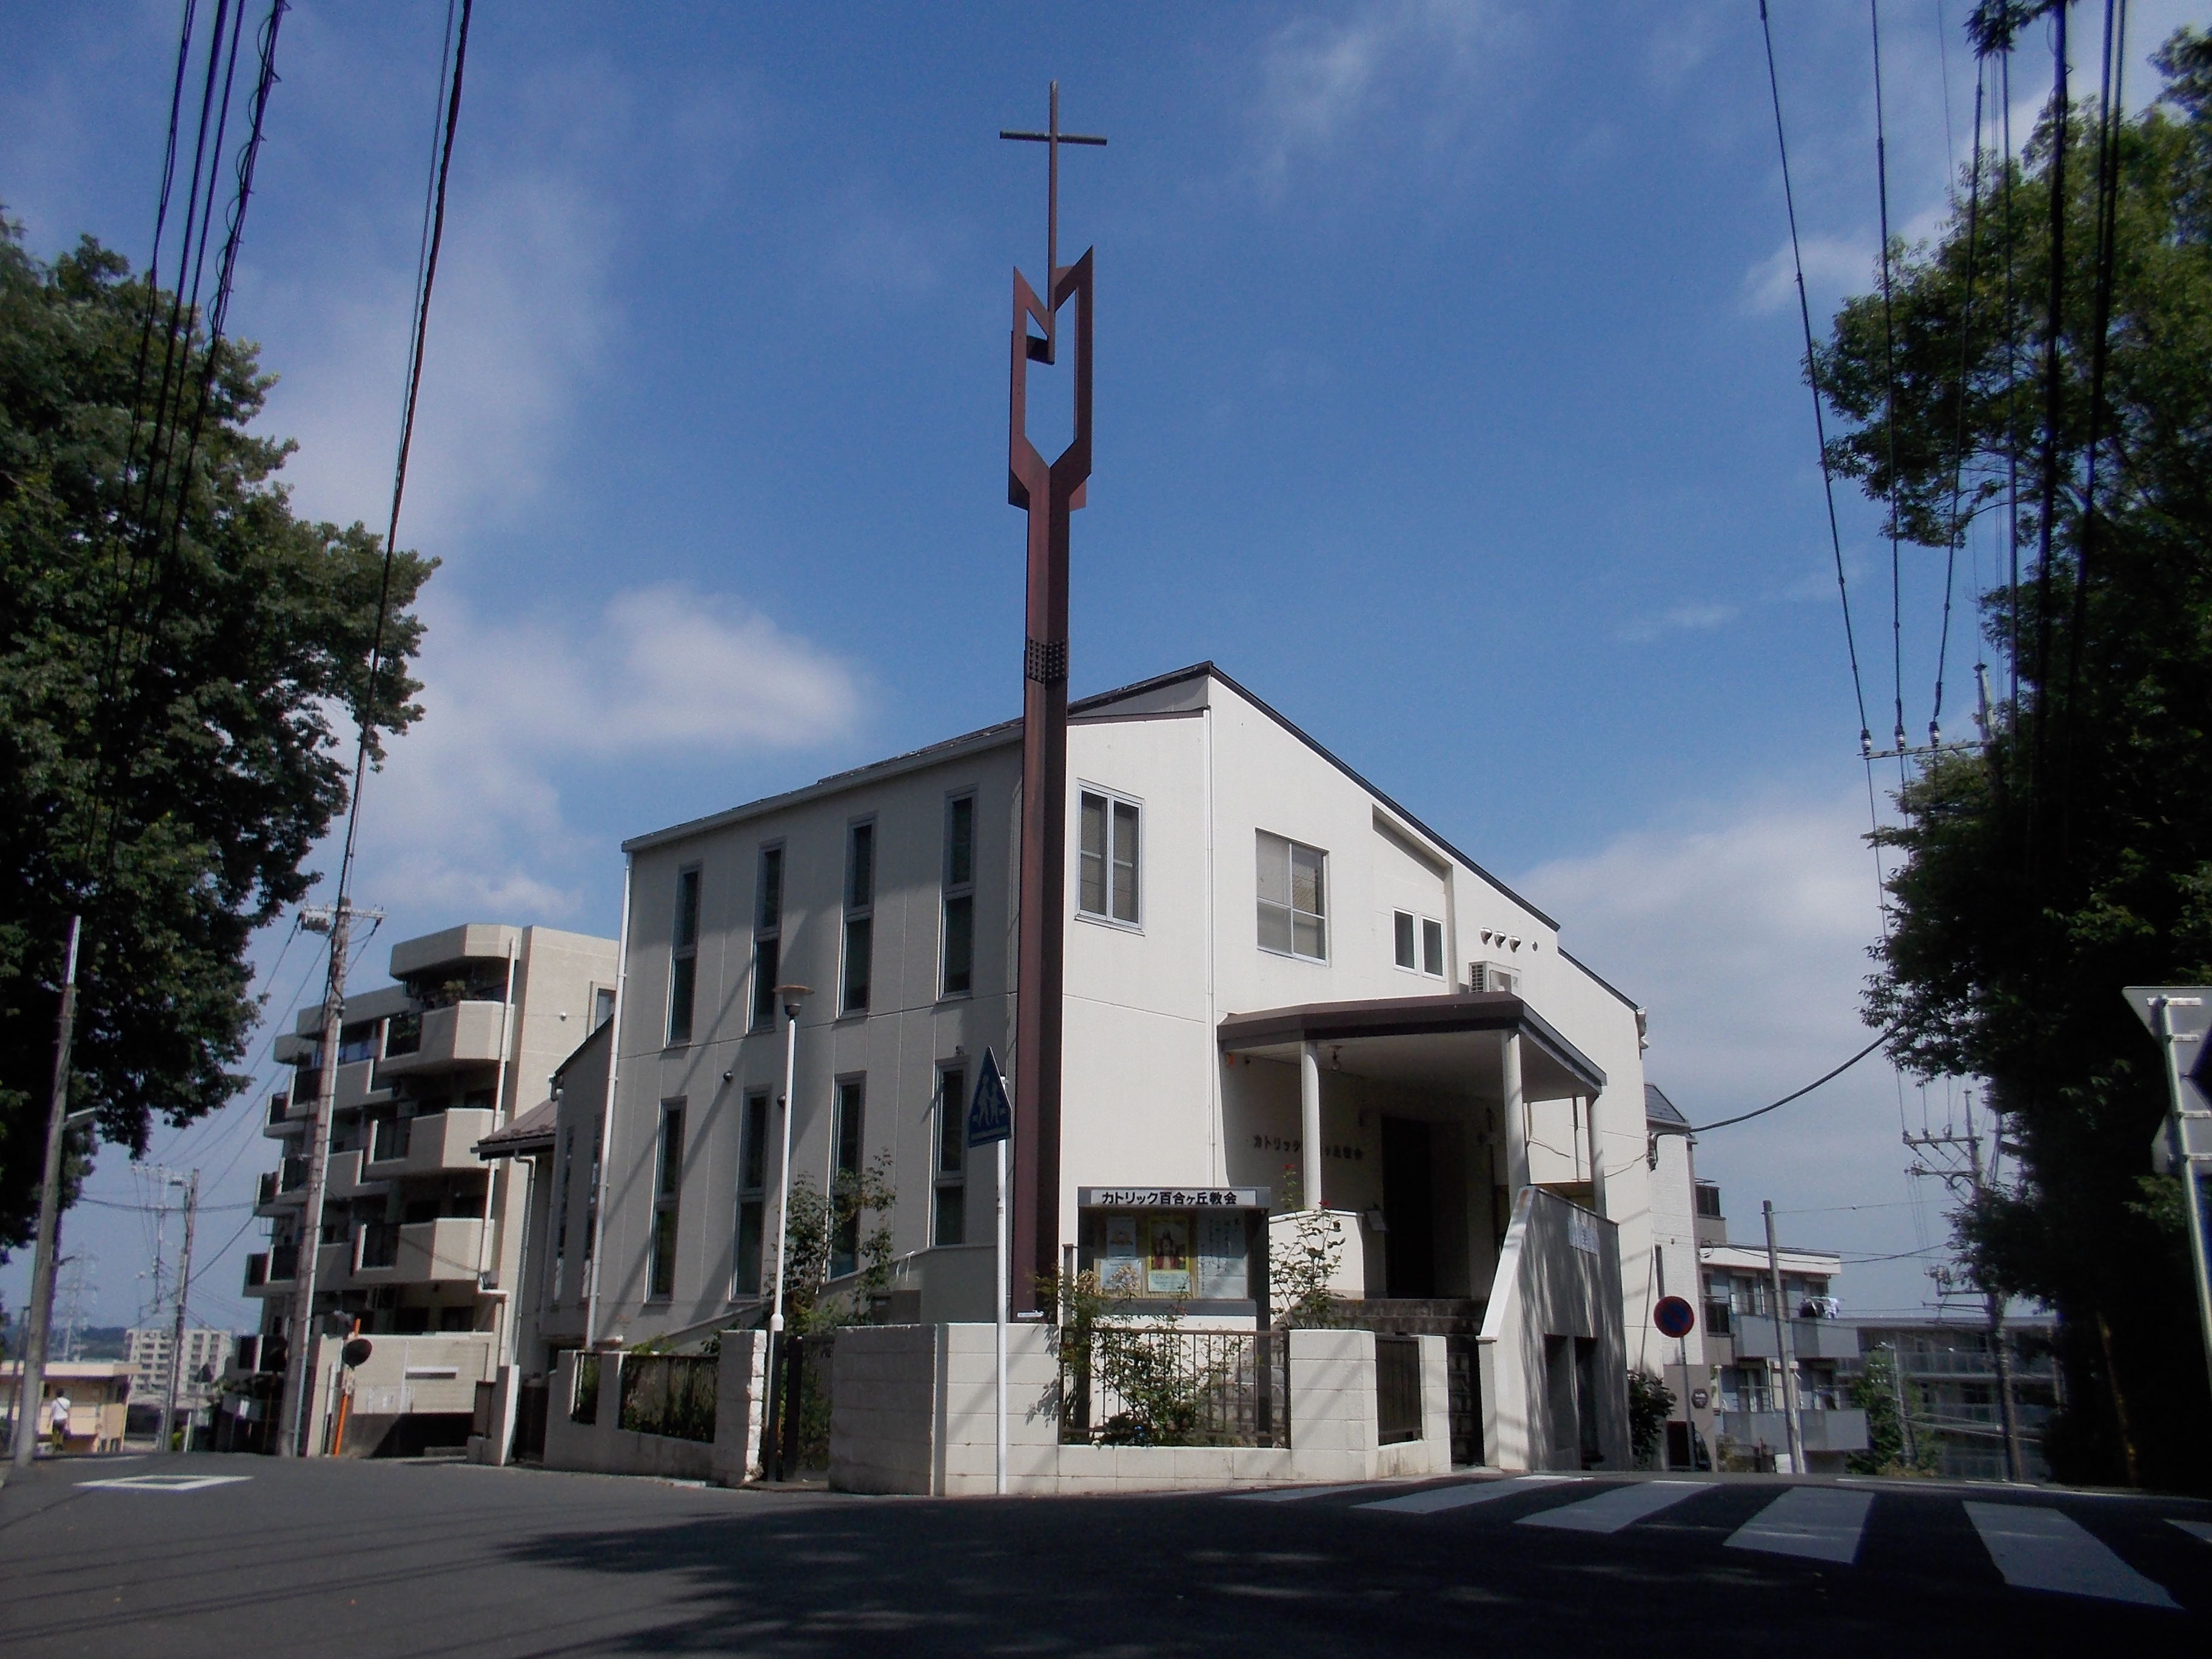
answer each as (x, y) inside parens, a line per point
(1283, 992)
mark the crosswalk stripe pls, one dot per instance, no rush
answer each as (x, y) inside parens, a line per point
(1822, 1523)
(2038, 1548)
(2196, 1529)
(1291, 1494)
(1623, 1506)
(1428, 1502)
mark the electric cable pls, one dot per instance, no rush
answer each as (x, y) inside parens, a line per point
(1959, 446)
(1889, 398)
(1797, 1094)
(2053, 400)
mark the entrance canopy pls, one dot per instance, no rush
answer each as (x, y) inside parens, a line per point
(1431, 1043)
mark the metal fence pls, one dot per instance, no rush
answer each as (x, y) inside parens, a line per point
(1125, 1387)
(1397, 1390)
(668, 1393)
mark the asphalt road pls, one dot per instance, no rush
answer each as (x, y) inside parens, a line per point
(354, 1558)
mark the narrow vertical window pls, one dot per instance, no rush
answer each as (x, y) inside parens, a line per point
(949, 1222)
(683, 957)
(752, 1194)
(1432, 948)
(1293, 898)
(602, 1005)
(957, 975)
(859, 916)
(1108, 861)
(847, 1131)
(560, 1216)
(667, 1191)
(768, 935)
(1403, 938)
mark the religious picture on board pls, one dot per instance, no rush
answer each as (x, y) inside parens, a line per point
(1167, 1270)
(1120, 1270)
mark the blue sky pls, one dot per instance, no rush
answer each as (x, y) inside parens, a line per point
(1446, 396)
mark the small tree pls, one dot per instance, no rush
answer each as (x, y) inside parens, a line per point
(1303, 1268)
(816, 1221)
(1102, 1344)
(1896, 1443)
(1650, 1403)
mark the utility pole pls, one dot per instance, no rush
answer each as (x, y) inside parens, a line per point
(31, 1382)
(1975, 1181)
(177, 1331)
(1783, 1347)
(297, 1438)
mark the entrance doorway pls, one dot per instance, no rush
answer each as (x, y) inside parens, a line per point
(1409, 1239)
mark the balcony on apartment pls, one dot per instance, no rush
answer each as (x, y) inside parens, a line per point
(283, 1187)
(417, 1252)
(1809, 1339)
(269, 1272)
(1827, 1430)
(284, 1117)
(428, 1145)
(343, 1178)
(460, 1034)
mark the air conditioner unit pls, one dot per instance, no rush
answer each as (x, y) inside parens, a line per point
(1492, 977)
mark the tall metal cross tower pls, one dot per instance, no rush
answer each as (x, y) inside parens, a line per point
(1048, 492)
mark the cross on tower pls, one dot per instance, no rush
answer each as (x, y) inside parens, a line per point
(1048, 491)
(1051, 138)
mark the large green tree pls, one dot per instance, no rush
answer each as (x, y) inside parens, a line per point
(181, 662)
(2073, 854)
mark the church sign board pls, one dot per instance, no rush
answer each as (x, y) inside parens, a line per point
(1199, 1249)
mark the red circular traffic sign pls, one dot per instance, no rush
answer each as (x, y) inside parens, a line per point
(1673, 1317)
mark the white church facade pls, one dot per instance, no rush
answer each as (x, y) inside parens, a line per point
(1276, 978)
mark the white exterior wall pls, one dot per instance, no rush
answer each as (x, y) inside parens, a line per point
(1147, 1095)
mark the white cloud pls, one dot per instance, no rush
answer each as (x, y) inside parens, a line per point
(469, 814)
(1833, 265)
(1746, 937)
(1425, 66)
(1682, 618)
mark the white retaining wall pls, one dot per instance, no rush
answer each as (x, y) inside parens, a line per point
(603, 1447)
(1559, 1282)
(912, 1411)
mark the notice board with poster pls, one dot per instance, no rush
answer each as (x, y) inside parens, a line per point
(1201, 1249)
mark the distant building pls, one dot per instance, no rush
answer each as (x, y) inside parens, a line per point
(419, 1238)
(207, 1352)
(1947, 1366)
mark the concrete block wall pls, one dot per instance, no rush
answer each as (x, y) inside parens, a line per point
(603, 1447)
(913, 1412)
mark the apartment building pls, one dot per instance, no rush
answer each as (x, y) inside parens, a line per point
(421, 1239)
(1944, 1370)
(148, 1349)
(1283, 991)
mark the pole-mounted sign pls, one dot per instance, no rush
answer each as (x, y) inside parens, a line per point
(2180, 1016)
(990, 1122)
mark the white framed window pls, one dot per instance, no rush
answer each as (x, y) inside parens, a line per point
(1293, 883)
(1108, 861)
(956, 951)
(753, 1195)
(768, 934)
(859, 916)
(1418, 943)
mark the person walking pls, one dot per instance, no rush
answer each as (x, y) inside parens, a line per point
(57, 1417)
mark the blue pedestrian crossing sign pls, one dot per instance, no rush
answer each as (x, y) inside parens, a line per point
(990, 1114)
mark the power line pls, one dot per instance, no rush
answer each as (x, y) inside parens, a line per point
(1889, 396)
(1825, 1076)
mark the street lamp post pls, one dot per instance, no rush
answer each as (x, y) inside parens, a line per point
(790, 996)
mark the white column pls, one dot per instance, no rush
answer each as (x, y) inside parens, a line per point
(1309, 1122)
(1513, 1111)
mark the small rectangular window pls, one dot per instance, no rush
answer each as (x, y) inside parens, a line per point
(767, 930)
(667, 1191)
(859, 913)
(1294, 897)
(752, 1194)
(1403, 937)
(956, 971)
(683, 957)
(602, 1005)
(949, 1225)
(1432, 948)
(1109, 859)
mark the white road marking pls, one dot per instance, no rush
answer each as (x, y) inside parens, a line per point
(2038, 1548)
(1452, 1498)
(167, 1482)
(1818, 1522)
(2196, 1529)
(1622, 1506)
(1291, 1494)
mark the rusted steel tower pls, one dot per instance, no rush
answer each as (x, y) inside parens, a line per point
(1048, 492)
